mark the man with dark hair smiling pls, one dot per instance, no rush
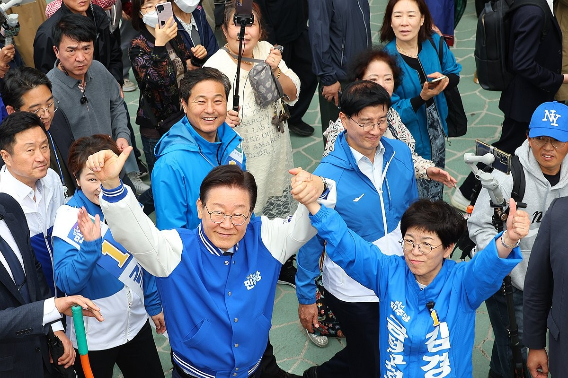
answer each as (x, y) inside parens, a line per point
(193, 146)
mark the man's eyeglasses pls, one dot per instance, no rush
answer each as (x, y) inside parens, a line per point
(424, 248)
(542, 141)
(368, 126)
(50, 108)
(218, 217)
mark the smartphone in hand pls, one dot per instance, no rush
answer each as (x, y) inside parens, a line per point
(165, 12)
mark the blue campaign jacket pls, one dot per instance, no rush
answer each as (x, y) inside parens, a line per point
(411, 345)
(364, 216)
(184, 158)
(410, 87)
(77, 271)
(208, 39)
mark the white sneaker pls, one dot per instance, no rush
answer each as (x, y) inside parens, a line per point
(139, 185)
(459, 201)
(129, 86)
(319, 341)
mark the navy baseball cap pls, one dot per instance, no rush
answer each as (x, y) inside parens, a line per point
(550, 119)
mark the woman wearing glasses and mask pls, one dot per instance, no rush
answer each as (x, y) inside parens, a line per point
(159, 59)
(427, 301)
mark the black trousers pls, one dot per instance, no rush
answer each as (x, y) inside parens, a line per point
(298, 57)
(513, 134)
(359, 322)
(137, 358)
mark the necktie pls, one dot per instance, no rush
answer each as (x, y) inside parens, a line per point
(195, 36)
(15, 268)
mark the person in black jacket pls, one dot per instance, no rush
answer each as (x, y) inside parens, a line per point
(339, 30)
(535, 60)
(28, 309)
(107, 45)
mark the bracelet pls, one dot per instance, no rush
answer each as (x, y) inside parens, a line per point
(507, 245)
(279, 73)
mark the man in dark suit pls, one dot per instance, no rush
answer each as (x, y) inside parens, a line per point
(535, 60)
(29, 90)
(545, 296)
(27, 308)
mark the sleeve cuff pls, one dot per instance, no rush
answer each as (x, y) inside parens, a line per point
(114, 195)
(50, 312)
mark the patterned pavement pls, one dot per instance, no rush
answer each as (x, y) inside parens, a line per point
(291, 347)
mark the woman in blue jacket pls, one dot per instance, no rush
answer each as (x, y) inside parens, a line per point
(407, 27)
(427, 301)
(103, 269)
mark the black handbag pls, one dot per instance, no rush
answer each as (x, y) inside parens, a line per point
(456, 120)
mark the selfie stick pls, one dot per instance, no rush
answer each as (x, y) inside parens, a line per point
(82, 340)
(243, 20)
(487, 180)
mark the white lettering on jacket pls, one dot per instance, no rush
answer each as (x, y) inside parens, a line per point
(437, 342)
(252, 279)
(397, 335)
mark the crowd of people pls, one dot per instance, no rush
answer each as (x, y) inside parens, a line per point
(372, 234)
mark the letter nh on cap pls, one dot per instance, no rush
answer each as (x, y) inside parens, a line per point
(552, 117)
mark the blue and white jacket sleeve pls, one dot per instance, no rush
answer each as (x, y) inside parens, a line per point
(74, 267)
(159, 252)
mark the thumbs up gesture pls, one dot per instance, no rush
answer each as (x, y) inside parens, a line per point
(518, 223)
(106, 166)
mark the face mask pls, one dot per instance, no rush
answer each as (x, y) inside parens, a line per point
(150, 19)
(187, 6)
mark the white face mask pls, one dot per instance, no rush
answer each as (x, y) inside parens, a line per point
(150, 19)
(187, 6)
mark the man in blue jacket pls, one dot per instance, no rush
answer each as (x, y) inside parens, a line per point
(193, 146)
(375, 184)
(339, 30)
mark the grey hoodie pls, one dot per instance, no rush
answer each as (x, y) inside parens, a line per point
(538, 196)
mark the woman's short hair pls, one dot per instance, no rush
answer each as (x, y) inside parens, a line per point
(358, 95)
(361, 61)
(387, 33)
(230, 11)
(84, 147)
(231, 176)
(434, 216)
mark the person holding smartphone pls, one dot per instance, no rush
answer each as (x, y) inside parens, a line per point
(159, 59)
(419, 100)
